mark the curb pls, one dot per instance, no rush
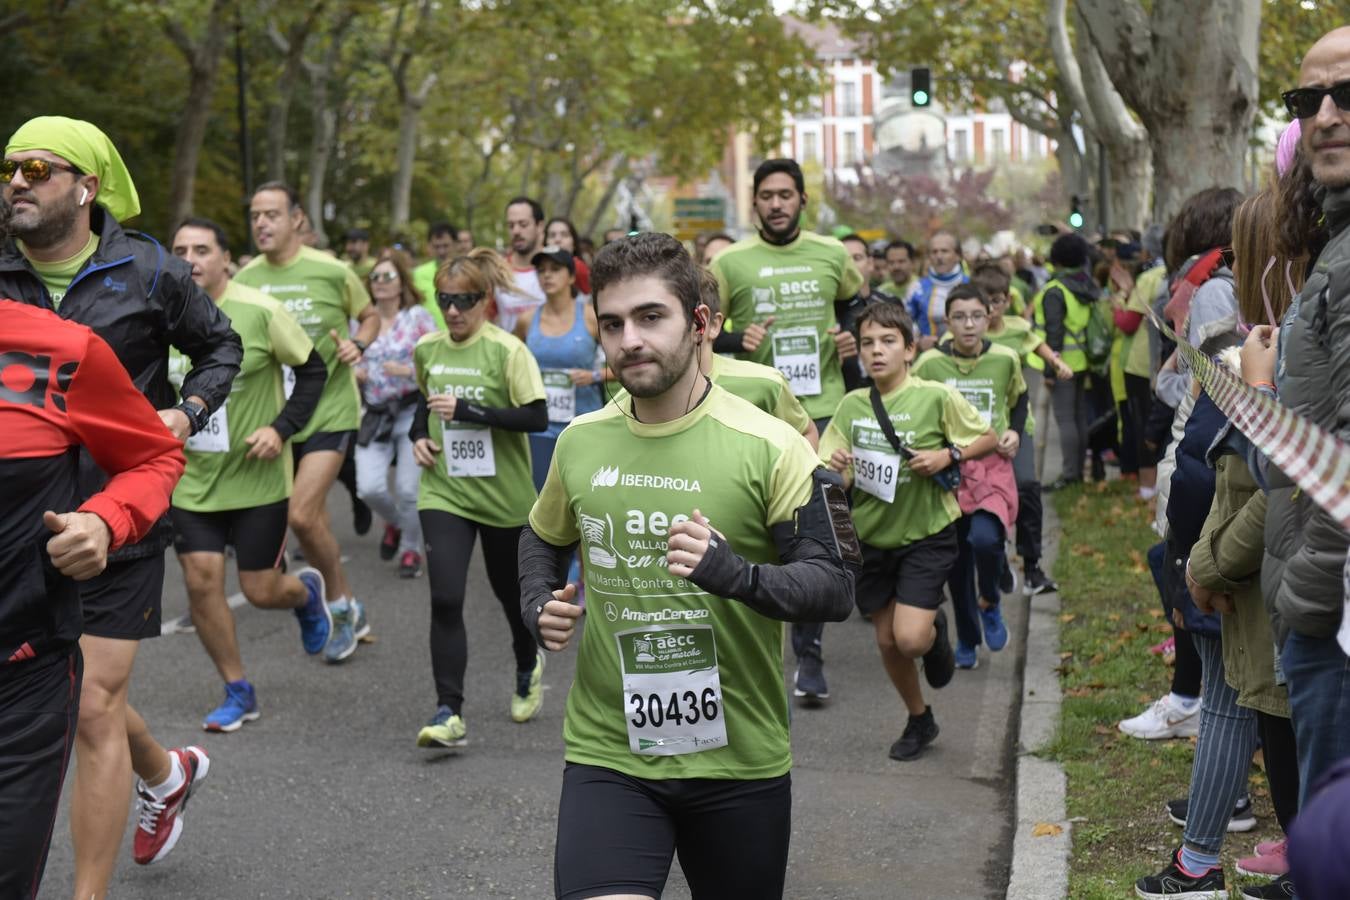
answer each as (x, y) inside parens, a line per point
(1040, 865)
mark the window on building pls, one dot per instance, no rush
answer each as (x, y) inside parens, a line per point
(850, 148)
(810, 147)
(848, 99)
(1000, 150)
(1033, 143)
(961, 140)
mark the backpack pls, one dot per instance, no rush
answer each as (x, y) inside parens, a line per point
(1098, 337)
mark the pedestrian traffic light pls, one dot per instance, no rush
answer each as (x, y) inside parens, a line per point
(1075, 214)
(920, 86)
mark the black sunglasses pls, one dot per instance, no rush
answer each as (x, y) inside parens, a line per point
(1303, 103)
(34, 170)
(461, 302)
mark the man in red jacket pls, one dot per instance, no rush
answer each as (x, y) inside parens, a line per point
(61, 388)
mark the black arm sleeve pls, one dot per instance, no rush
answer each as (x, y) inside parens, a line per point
(309, 381)
(543, 570)
(729, 342)
(420, 418)
(530, 417)
(1055, 309)
(197, 327)
(1017, 419)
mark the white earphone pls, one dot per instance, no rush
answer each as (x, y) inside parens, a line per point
(84, 196)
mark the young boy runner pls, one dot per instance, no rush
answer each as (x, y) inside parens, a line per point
(989, 376)
(237, 484)
(1016, 333)
(906, 519)
(705, 523)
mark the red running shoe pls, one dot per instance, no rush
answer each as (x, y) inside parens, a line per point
(389, 543)
(161, 821)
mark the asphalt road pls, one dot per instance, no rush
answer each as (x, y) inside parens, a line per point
(328, 796)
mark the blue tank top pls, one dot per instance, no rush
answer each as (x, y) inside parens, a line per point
(555, 355)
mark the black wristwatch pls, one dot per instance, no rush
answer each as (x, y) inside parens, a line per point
(956, 455)
(360, 345)
(196, 414)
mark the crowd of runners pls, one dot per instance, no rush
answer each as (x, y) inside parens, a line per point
(704, 445)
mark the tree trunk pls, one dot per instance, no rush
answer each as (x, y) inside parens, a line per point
(203, 61)
(1194, 88)
(292, 47)
(617, 172)
(324, 114)
(411, 111)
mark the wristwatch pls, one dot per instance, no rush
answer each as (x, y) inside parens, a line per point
(196, 415)
(956, 455)
(361, 345)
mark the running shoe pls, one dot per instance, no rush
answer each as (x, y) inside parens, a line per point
(920, 731)
(1271, 864)
(445, 729)
(808, 682)
(1266, 848)
(995, 632)
(389, 543)
(1279, 889)
(529, 695)
(1037, 582)
(240, 706)
(361, 626)
(1242, 820)
(939, 663)
(1163, 720)
(160, 822)
(342, 643)
(362, 518)
(1175, 883)
(1007, 579)
(316, 622)
(966, 658)
(410, 564)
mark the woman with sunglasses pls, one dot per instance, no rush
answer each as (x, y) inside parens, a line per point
(481, 394)
(390, 394)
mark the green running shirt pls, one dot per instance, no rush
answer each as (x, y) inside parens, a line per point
(218, 477)
(616, 485)
(761, 386)
(482, 474)
(323, 294)
(991, 382)
(795, 284)
(926, 415)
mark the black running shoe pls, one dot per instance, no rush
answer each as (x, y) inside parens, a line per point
(939, 663)
(920, 731)
(1279, 889)
(362, 518)
(389, 543)
(1243, 819)
(1037, 582)
(808, 682)
(1175, 883)
(1007, 579)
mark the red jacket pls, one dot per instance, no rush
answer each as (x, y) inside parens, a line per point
(62, 388)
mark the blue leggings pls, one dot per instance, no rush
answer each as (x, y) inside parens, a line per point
(978, 567)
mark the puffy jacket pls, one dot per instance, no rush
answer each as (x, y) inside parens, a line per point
(1312, 377)
(1192, 494)
(141, 300)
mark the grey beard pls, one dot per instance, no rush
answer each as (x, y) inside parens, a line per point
(51, 229)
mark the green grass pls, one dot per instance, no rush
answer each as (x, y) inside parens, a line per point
(1111, 615)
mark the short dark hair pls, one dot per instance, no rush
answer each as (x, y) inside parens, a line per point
(649, 254)
(784, 165)
(711, 293)
(356, 234)
(292, 195)
(967, 291)
(991, 278)
(572, 229)
(533, 204)
(900, 242)
(211, 225)
(1070, 251)
(442, 229)
(1205, 221)
(887, 315)
(718, 236)
(855, 237)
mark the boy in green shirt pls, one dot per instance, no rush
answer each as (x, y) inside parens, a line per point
(988, 375)
(906, 520)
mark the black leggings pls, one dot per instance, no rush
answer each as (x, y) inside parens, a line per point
(449, 544)
(1281, 756)
(1186, 669)
(617, 834)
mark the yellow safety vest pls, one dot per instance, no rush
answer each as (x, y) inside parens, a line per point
(1076, 315)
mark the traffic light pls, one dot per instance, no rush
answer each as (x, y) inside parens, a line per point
(920, 86)
(1075, 214)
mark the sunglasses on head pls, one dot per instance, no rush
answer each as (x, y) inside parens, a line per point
(1303, 103)
(34, 170)
(383, 277)
(461, 302)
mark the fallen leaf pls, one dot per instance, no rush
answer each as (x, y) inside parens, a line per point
(1113, 617)
(1156, 613)
(1103, 730)
(1097, 659)
(1067, 618)
(1067, 654)
(1046, 829)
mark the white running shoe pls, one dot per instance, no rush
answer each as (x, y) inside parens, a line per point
(1163, 720)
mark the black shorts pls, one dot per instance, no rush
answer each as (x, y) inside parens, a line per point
(258, 534)
(39, 706)
(617, 835)
(339, 442)
(123, 601)
(912, 575)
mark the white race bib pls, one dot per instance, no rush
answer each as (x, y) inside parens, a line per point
(287, 381)
(468, 452)
(672, 693)
(876, 472)
(215, 434)
(796, 353)
(560, 394)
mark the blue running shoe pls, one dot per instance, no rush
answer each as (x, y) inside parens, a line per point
(240, 706)
(342, 642)
(966, 657)
(361, 628)
(995, 632)
(316, 622)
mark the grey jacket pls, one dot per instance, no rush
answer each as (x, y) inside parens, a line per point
(1312, 377)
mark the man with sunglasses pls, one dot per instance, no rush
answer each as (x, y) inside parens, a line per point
(323, 294)
(68, 189)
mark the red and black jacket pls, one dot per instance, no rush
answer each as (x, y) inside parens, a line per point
(63, 388)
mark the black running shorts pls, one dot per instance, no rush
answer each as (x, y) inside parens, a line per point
(258, 534)
(337, 441)
(617, 835)
(912, 575)
(123, 601)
